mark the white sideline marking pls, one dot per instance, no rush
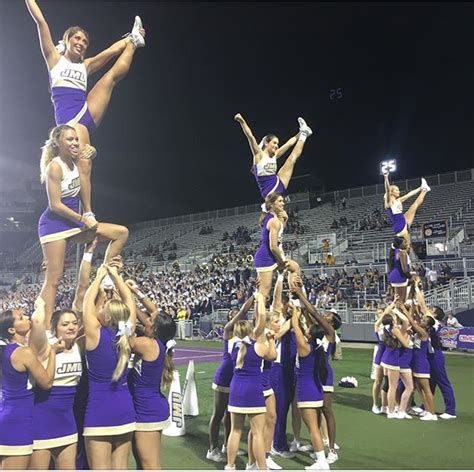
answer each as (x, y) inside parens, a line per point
(195, 350)
(196, 358)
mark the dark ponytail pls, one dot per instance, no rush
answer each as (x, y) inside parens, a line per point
(320, 371)
(165, 330)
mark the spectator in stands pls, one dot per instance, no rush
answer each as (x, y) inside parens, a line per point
(432, 278)
(453, 322)
(344, 203)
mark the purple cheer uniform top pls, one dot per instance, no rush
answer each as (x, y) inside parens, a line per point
(265, 173)
(68, 83)
(246, 387)
(397, 218)
(152, 410)
(16, 408)
(53, 227)
(309, 388)
(329, 349)
(396, 276)
(109, 409)
(264, 259)
(420, 364)
(225, 371)
(53, 416)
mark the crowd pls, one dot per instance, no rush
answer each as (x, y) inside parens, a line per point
(240, 236)
(376, 220)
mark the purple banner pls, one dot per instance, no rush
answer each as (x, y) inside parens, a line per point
(457, 338)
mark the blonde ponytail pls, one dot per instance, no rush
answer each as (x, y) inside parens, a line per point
(50, 149)
(124, 351)
(241, 355)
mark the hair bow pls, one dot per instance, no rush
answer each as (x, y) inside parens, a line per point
(245, 340)
(263, 206)
(170, 344)
(61, 47)
(392, 246)
(124, 328)
(261, 144)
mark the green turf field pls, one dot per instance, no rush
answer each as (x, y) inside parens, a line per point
(367, 441)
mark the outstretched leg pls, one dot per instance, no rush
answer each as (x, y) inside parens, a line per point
(410, 213)
(286, 172)
(99, 97)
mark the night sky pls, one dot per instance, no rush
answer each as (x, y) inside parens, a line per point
(168, 144)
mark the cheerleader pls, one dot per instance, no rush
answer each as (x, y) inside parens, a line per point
(420, 365)
(54, 427)
(110, 416)
(269, 255)
(309, 389)
(329, 322)
(153, 368)
(68, 73)
(399, 267)
(17, 363)
(378, 369)
(266, 153)
(246, 390)
(221, 387)
(393, 204)
(393, 339)
(438, 375)
(61, 221)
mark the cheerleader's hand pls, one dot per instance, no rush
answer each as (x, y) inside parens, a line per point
(270, 335)
(58, 346)
(90, 223)
(91, 246)
(132, 284)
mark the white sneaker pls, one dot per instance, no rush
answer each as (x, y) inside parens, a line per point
(336, 447)
(417, 410)
(135, 36)
(272, 465)
(304, 128)
(332, 457)
(228, 467)
(447, 416)
(424, 413)
(384, 410)
(429, 417)
(251, 466)
(318, 465)
(424, 185)
(215, 455)
(376, 410)
(284, 454)
(294, 445)
(305, 448)
(392, 416)
(403, 415)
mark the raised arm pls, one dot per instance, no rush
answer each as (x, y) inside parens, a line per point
(259, 316)
(277, 292)
(256, 151)
(37, 339)
(123, 290)
(386, 197)
(89, 315)
(416, 327)
(283, 149)
(229, 327)
(49, 51)
(327, 326)
(152, 309)
(83, 276)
